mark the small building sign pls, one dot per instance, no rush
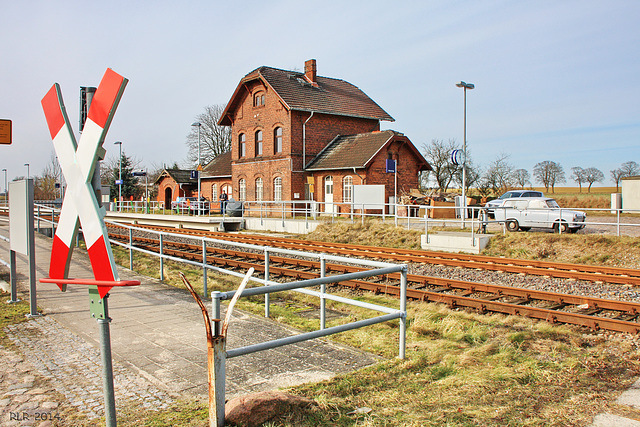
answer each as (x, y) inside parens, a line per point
(391, 166)
(5, 131)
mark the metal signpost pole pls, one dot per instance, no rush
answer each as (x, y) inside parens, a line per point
(465, 86)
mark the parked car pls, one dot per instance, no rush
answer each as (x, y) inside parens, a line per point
(523, 213)
(509, 195)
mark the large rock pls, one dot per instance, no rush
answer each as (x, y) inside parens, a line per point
(257, 408)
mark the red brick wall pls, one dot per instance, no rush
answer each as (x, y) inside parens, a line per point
(322, 129)
(168, 183)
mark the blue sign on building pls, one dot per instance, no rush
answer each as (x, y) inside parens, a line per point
(391, 166)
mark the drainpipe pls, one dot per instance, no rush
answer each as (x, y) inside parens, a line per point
(362, 180)
(304, 141)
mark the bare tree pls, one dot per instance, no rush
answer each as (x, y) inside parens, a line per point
(473, 174)
(45, 185)
(592, 175)
(438, 154)
(521, 177)
(214, 139)
(629, 168)
(499, 175)
(549, 173)
(578, 175)
(616, 176)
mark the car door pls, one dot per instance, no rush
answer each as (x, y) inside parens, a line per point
(537, 214)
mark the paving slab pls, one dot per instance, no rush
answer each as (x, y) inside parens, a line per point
(158, 338)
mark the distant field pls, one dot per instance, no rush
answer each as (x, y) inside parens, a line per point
(576, 190)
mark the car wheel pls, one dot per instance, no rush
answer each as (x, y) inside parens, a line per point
(512, 225)
(560, 227)
(525, 228)
(573, 230)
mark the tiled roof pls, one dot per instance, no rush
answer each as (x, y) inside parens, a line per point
(180, 176)
(330, 96)
(219, 166)
(356, 151)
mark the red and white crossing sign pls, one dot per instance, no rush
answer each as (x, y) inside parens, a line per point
(78, 163)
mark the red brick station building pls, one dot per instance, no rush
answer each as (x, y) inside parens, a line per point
(299, 136)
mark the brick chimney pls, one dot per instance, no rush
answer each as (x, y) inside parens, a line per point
(310, 71)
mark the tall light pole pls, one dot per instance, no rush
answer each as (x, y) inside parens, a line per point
(28, 174)
(465, 86)
(119, 175)
(198, 168)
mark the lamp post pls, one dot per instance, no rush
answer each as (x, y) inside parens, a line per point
(465, 86)
(28, 174)
(119, 143)
(199, 125)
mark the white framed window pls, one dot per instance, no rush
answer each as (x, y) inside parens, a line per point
(277, 189)
(242, 189)
(259, 189)
(258, 143)
(214, 192)
(277, 140)
(347, 189)
(242, 145)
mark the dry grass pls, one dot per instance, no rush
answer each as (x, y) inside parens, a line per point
(372, 232)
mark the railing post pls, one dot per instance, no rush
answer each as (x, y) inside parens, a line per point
(161, 261)
(53, 222)
(130, 248)
(403, 309)
(204, 267)
(38, 223)
(266, 279)
(618, 223)
(362, 214)
(217, 372)
(323, 289)
(282, 204)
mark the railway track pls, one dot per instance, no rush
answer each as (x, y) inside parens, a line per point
(595, 313)
(592, 273)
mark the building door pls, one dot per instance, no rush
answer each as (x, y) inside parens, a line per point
(167, 198)
(328, 193)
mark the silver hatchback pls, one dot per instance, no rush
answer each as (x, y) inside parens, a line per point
(491, 205)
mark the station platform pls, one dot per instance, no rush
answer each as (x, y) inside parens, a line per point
(158, 340)
(208, 223)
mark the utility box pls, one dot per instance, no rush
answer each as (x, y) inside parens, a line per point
(616, 202)
(631, 193)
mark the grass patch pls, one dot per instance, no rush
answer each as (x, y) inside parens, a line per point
(11, 314)
(461, 369)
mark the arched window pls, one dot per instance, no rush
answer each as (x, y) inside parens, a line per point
(277, 189)
(242, 145)
(259, 189)
(258, 143)
(214, 193)
(347, 189)
(258, 99)
(277, 140)
(242, 188)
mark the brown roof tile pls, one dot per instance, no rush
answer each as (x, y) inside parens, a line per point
(356, 151)
(330, 96)
(219, 166)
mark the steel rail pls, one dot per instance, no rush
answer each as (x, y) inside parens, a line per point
(617, 275)
(554, 309)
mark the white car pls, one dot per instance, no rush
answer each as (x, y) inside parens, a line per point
(526, 212)
(492, 204)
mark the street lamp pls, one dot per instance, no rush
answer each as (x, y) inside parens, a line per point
(198, 168)
(465, 86)
(119, 175)
(28, 174)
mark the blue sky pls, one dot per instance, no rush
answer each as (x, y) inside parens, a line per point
(555, 80)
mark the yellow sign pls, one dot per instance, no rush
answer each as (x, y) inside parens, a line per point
(310, 180)
(5, 131)
(311, 188)
(199, 168)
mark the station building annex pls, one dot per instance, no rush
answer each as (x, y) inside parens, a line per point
(299, 136)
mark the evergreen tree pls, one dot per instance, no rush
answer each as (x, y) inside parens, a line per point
(129, 187)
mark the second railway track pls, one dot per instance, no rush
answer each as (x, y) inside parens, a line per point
(595, 313)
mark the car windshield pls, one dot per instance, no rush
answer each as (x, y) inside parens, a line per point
(552, 204)
(508, 195)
